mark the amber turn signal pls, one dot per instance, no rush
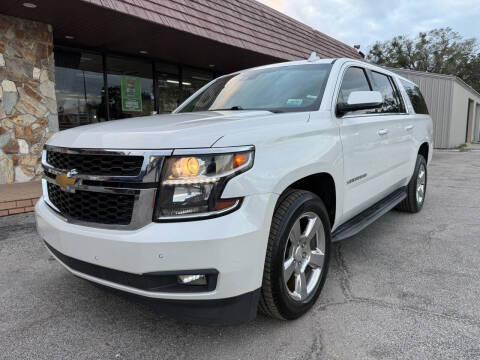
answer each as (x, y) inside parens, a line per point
(224, 204)
(239, 160)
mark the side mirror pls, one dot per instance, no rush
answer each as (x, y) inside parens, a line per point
(360, 100)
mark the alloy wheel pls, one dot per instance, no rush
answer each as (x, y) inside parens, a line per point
(421, 182)
(304, 256)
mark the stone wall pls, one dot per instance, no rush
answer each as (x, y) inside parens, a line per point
(28, 109)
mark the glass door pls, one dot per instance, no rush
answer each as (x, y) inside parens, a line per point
(167, 90)
(79, 88)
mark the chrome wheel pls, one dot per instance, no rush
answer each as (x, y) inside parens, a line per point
(304, 256)
(421, 182)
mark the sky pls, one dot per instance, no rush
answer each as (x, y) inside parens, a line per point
(363, 22)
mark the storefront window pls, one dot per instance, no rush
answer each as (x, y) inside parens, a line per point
(136, 87)
(79, 88)
(130, 88)
(168, 87)
(194, 80)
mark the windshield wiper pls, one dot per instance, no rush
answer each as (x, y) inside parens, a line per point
(232, 108)
(275, 111)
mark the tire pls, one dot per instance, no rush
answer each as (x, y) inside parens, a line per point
(288, 299)
(412, 202)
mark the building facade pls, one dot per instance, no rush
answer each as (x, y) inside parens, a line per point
(453, 105)
(74, 62)
(28, 110)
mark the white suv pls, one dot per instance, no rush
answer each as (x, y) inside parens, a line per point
(231, 203)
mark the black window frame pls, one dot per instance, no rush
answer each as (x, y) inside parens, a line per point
(404, 84)
(340, 88)
(399, 95)
(396, 91)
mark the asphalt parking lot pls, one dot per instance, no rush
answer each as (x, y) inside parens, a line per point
(407, 287)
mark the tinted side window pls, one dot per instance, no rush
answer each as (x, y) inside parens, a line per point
(391, 101)
(354, 79)
(416, 98)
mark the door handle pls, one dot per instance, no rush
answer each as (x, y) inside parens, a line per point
(409, 127)
(382, 132)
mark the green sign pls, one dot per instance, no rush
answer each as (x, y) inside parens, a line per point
(131, 93)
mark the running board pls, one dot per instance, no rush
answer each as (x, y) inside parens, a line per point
(368, 216)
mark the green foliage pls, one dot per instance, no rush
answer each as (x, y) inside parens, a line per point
(441, 51)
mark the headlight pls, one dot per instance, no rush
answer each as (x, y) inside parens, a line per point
(192, 185)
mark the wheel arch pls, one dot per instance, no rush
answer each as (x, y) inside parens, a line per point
(424, 150)
(321, 184)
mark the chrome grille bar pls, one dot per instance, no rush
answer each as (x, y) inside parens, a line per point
(143, 186)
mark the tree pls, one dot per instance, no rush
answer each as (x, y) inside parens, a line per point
(441, 51)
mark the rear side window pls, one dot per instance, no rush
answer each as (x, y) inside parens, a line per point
(354, 79)
(391, 101)
(416, 98)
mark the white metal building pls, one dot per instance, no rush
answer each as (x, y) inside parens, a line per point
(453, 105)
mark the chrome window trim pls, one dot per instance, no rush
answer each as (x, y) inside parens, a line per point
(373, 114)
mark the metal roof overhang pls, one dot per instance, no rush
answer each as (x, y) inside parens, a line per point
(104, 29)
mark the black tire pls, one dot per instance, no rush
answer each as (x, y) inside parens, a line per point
(274, 299)
(410, 204)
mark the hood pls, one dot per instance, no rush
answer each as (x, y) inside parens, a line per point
(183, 130)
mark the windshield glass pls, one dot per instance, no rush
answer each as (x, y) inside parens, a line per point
(279, 89)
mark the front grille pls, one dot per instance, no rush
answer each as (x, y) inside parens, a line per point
(89, 206)
(102, 164)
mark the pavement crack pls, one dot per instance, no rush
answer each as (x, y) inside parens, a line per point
(439, 229)
(350, 297)
(414, 309)
(323, 306)
(345, 276)
(316, 348)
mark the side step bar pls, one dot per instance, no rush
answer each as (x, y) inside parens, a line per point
(368, 216)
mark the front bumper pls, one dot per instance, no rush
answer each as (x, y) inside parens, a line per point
(234, 245)
(217, 312)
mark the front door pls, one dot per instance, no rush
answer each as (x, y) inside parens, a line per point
(369, 150)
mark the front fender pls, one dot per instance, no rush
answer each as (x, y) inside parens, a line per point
(308, 148)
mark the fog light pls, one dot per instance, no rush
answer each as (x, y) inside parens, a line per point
(192, 279)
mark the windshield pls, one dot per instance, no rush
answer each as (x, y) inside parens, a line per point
(279, 89)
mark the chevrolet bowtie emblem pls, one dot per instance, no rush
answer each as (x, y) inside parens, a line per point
(65, 179)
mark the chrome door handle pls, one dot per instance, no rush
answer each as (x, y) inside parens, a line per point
(409, 127)
(382, 132)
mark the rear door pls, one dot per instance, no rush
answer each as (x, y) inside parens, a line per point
(400, 127)
(368, 141)
(418, 121)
